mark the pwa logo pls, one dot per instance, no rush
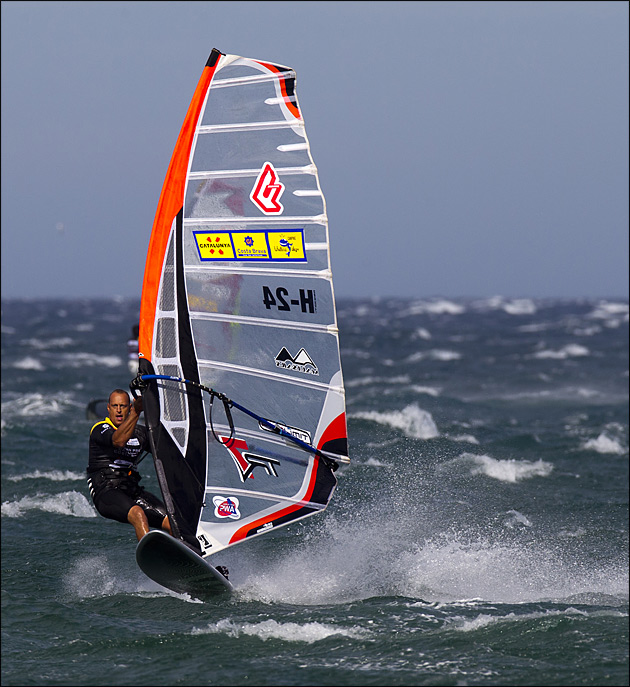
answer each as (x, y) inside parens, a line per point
(226, 507)
(267, 191)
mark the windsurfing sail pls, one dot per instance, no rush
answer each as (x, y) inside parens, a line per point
(237, 300)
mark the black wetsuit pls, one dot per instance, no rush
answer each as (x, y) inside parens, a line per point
(113, 476)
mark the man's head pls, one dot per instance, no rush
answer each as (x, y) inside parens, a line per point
(118, 406)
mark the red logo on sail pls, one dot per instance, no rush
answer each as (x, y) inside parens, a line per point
(267, 191)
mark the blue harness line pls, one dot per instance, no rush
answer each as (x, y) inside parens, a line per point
(139, 382)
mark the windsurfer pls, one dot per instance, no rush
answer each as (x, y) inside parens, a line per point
(117, 445)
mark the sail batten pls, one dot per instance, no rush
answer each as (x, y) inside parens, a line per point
(265, 322)
(238, 326)
(244, 80)
(277, 221)
(266, 374)
(234, 173)
(245, 126)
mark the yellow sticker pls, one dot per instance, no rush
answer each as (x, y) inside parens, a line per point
(250, 245)
(214, 246)
(286, 245)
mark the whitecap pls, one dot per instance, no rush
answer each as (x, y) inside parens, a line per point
(516, 306)
(587, 331)
(414, 422)
(37, 404)
(605, 444)
(606, 311)
(520, 306)
(534, 328)
(52, 475)
(29, 363)
(468, 438)
(571, 350)
(67, 503)
(372, 381)
(429, 390)
(272, 629)
(437, 307)
(81, 359)
(483, 620)
(507, 470)
(434, 354)
(59, 342)
(421, 333)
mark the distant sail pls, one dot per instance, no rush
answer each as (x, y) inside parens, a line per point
(238, 298)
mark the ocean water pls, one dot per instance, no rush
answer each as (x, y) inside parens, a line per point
(479, 536)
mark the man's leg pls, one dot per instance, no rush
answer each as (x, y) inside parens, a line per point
(138, 519)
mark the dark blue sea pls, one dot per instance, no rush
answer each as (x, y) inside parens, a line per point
(479, 536)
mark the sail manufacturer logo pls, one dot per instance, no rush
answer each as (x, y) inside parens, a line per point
(226, 507)
(267, 191)
(301, 363)
(246, 461)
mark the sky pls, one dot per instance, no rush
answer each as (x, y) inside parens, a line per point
(465, 149)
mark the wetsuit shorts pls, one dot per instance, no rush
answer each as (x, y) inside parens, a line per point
(116, 504)
(114, 499)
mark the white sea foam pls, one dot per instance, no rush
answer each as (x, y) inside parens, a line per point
(434, 354)
(605, 444)
(90, 359)
(412, 420)
(45, 344)
(66, 503)
(429, 390)
(615, 312)
(534, 327)
(483, 620)
(29, 363)
(506, 470)
(377, 381)
(468, 438)
(520, 306)
(421, 333)
(53, 475)
(586, 331)
(571, 350)
(435, 307)
(35, 404)
(7, 330)
(288, 632)
(517, 306)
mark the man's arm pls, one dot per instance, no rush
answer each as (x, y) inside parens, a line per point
(126, 428)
